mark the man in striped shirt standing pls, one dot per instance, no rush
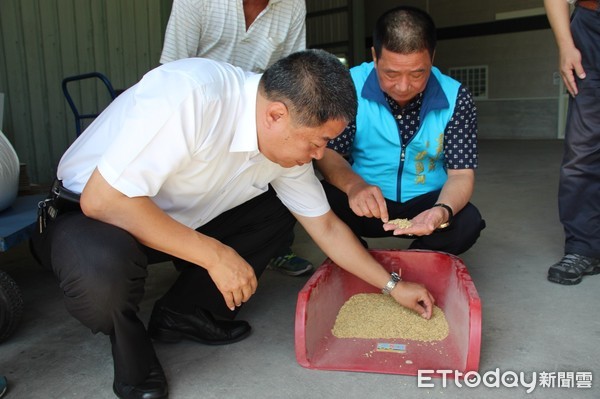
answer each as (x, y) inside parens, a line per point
(250, 34)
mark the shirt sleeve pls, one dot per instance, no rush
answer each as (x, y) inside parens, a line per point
(460, 137)
(296, 37)
(343, 143)
(182, 35)
(301, 191)
(157, 139)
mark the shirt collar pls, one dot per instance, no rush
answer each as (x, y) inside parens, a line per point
(245, 138)
(434, 97)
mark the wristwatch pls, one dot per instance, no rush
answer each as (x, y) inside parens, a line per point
(394, 278)
(450, 215)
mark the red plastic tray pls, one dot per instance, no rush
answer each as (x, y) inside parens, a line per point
(444, 275)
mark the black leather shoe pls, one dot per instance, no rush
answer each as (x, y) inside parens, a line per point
(154, 387)
(168, 325)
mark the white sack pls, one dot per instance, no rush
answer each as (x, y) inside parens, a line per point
(9, 173)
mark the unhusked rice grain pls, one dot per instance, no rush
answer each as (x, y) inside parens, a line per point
(380, 316)
(401, 223)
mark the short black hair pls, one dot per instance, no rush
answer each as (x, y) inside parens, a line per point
(314, 85)
(404, 30)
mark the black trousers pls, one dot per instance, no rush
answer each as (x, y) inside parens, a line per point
(579, 185)
(456, 239)
(102, 271)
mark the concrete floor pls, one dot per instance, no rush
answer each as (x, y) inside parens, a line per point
(529, 324)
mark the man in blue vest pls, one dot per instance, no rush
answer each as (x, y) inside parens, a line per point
(412, 150)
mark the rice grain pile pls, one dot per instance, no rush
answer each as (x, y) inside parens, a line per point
(401, 223)
(380, 316)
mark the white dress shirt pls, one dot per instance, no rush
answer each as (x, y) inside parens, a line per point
(186, 137)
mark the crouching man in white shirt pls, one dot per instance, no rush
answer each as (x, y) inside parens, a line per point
(206, 165)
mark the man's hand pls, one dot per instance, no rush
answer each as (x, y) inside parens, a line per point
(152, 227)
(338, 242)
(570, 65)
(234, 278)
(414, 296)
(569, 57)
(367, 200)
(423, 224)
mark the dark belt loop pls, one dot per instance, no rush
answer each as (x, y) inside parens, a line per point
(60, 192)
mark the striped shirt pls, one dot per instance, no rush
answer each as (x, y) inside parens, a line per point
(216, 29)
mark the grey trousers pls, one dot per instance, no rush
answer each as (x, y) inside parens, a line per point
(579, 184)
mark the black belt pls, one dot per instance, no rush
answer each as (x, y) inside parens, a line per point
(60, 200)
(593, 5)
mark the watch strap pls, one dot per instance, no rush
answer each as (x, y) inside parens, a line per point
(394, 279)
(450, 215)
